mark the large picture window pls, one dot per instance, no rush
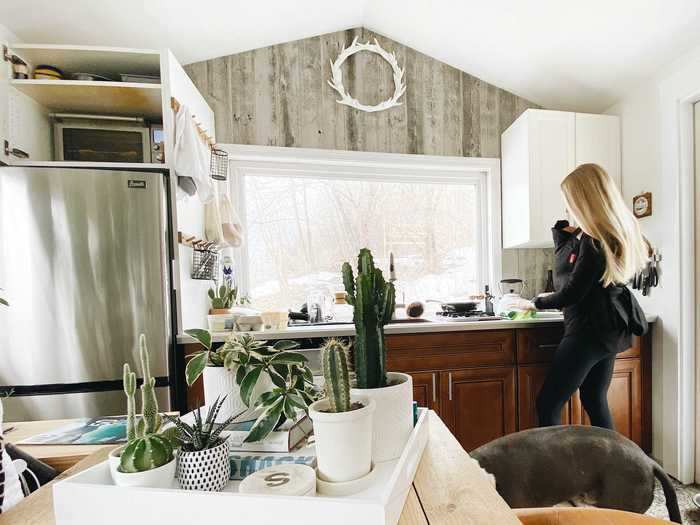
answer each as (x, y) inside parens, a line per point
(302, 225)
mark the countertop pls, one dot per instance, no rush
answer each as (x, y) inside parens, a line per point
(431, 326)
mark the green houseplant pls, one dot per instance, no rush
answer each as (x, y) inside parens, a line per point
(373, 301)
(203, 462)
(342, 425)
(224, 297)
(148, 458)
(270, 378)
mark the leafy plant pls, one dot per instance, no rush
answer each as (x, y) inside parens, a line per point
(4, 301)
(202, 434)
(146, 448)
(373, 300)
(224, 297)
(334, 361)
(252, 361)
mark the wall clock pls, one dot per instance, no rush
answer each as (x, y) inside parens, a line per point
(641, 205)
(336, 81)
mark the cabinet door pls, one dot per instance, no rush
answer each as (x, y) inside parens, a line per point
(624, 400)
(598, 141)
(425, 389)
(530, 380)
(478, 404)
(552, 157)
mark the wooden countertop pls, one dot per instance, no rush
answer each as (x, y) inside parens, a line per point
(448, 488)
(60, 457)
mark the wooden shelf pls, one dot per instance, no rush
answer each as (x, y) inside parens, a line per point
(106, 61)
(100, 98)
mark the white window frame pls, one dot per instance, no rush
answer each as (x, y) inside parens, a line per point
(386, 167)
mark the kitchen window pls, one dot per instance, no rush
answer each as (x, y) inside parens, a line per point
(302, 224)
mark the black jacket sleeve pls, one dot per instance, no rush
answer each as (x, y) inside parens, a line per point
(588, 269)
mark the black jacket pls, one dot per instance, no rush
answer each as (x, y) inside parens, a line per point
(608, 315)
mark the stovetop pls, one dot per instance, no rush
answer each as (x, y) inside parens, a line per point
(474, 315)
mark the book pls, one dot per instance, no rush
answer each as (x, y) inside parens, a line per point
(243, 464)
(286, 438)
(86, 431)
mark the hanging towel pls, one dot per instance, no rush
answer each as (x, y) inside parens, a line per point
(230, 223)
(191, 158)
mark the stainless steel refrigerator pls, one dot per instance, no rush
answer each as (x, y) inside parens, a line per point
(84, 265)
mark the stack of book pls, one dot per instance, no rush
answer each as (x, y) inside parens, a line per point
(287, 444)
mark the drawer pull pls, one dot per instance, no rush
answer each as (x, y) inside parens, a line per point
(434, 388)
(547, 347)
(16, 152)
(449, 386)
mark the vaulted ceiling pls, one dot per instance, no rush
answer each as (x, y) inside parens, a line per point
(559, 54)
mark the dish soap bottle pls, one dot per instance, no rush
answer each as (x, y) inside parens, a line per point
(549, 285)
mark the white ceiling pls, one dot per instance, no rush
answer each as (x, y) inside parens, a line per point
(560, 54)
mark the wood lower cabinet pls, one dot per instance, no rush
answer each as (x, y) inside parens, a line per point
(485, 384)
(425, 389)
(478, 405)
(624, 400)
(530, 380)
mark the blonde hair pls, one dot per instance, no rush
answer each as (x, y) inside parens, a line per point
(598, 207)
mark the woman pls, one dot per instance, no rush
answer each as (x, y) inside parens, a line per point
(592, 264)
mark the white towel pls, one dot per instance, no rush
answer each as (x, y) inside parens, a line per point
(191, 156)
(11, 490)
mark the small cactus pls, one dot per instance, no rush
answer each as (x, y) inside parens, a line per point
(334, 361)
(130, 391)
(145, 449)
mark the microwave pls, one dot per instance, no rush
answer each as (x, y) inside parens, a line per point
(93, 138)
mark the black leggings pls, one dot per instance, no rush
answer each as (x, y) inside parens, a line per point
(583, 364)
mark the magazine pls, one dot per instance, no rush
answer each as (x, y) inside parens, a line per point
(86, 431)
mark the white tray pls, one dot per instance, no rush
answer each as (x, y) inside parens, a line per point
(90, 497)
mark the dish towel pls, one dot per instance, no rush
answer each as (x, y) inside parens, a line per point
(10, 487)
(191, 158)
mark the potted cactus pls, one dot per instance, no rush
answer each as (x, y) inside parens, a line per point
(148, 459)
(224, 298)
(203, 462)
(373, 301)
(342, 424)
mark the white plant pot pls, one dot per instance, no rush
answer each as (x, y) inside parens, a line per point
(393, 418)
(114, 458)
(207, 470)
(219, 382)
(343, 440)
(161, 477)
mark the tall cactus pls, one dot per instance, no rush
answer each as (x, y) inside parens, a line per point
(334, 362)
(130, 391)
(374, 301)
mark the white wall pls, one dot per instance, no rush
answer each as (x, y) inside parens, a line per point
(650, 153)
(7, 36)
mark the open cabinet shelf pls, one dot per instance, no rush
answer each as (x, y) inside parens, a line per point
(104, 98)
(140, 166)
(105, 61)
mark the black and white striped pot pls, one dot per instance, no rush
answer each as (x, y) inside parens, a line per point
(207, 470)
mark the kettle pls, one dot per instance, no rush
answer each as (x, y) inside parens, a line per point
(512, 298)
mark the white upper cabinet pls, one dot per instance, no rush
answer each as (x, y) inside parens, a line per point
(538, 150)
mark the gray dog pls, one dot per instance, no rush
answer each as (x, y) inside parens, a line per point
(545, 466)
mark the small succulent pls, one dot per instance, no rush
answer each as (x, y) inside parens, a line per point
(202, 434)
(4, 301)
(225, 296)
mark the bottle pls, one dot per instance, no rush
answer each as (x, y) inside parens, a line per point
(549, 285)
(488, 301)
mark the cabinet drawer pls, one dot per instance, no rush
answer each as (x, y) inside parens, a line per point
(537, 345)
(415, 352)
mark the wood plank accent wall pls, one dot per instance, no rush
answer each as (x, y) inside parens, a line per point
(279, 96)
